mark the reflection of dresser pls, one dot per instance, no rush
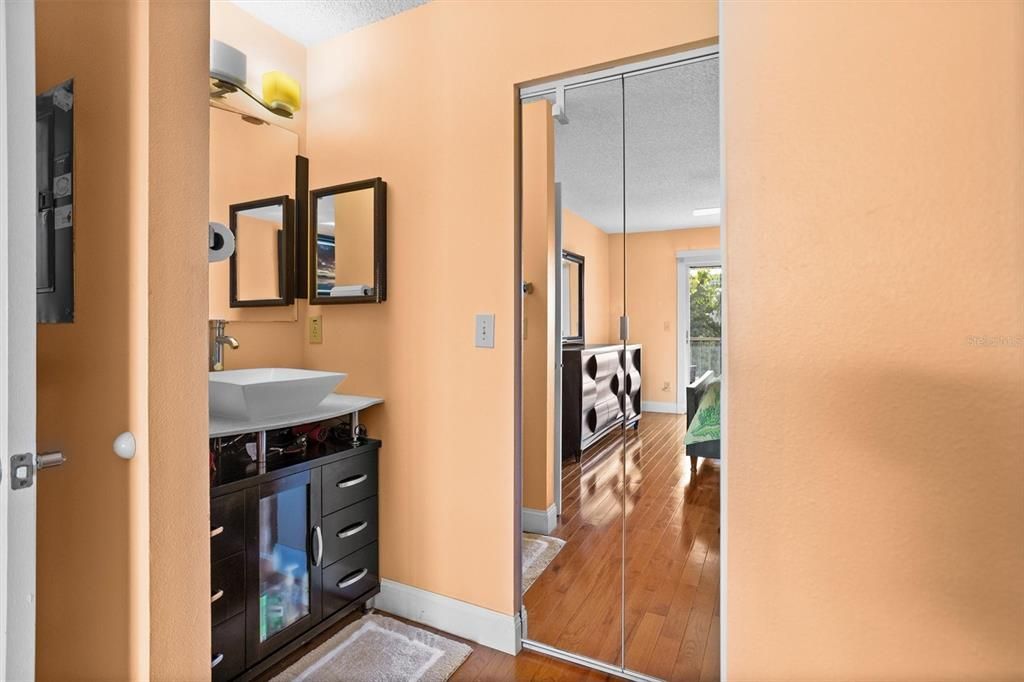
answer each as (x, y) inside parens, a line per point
(600, 389)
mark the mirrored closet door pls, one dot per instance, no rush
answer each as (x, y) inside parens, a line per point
(622, 303)
(671, 525)
(572, 436)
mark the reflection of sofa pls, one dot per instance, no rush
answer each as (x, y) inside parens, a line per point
(600, 388)
(709, 449)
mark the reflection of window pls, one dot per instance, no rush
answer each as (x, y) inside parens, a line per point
(705, 320)
(325, 277)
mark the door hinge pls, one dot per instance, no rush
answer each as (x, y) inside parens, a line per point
(624, 328)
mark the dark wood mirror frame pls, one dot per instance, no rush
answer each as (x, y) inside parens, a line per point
(380, 228)
(578, 339)
(286, 253)
(301, 225)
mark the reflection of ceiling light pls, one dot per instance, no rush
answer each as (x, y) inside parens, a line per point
(326, 222)
(707, 211)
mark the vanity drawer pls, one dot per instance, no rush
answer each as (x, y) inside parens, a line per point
(227, 525)
(227, 659)
(346, 580)
(348, 481)
(347, 530)
(227, 587)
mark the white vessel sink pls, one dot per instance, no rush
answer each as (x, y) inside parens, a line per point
(251, 394)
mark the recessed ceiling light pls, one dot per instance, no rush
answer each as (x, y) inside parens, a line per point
(707, 211)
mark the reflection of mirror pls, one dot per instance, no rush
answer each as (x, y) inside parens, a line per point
(348, 243)
(261, 266)
(238, 145)
(572, 297)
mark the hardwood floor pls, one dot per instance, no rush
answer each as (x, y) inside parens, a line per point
(672, 553)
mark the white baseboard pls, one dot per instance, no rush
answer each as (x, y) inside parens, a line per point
(496, 630)
(539, 520)
(668, 408)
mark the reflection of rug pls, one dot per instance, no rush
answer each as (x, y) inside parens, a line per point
(538, 552)
(379, 649)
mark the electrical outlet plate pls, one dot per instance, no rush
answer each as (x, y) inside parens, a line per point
(316, 329)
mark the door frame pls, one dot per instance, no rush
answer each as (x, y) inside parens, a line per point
(17, 338)
(555, 87)
(684, 261)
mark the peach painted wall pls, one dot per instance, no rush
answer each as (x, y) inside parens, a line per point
(258, 272)
(353, 237)
(179, 492)
(651, 299)
(874, 230)
(118, 540)
(538, 217)
(588, 240)
(236, 149)
(426, 100)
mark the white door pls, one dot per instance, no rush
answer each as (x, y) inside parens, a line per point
(17, 341)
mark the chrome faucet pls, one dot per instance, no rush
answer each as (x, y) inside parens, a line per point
(217, 342)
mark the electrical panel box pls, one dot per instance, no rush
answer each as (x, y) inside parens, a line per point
(55, 245)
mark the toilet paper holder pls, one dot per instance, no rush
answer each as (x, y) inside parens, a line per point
(221, 242)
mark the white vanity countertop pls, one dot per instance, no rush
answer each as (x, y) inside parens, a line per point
(334, 405)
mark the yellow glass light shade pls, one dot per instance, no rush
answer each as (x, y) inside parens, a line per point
(281, 91)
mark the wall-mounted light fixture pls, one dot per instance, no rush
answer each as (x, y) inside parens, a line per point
(281, 94)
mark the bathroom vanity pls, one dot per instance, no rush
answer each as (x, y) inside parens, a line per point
(293, 534)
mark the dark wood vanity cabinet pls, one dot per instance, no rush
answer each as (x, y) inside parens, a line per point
(293, 551)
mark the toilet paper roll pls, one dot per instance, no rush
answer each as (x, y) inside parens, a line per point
(222, 242)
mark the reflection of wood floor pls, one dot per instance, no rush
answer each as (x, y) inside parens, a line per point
(671, 545)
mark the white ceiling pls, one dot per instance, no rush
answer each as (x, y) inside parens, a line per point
(671, 149)
(313, 21)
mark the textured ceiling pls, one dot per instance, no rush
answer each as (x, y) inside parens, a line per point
(313, 21)
(671, 149)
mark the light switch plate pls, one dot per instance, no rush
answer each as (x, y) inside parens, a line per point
(316, 329)
(485, 330)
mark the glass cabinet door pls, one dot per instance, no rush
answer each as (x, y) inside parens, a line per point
(283, 547)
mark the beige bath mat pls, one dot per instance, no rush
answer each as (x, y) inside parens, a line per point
(379, 649)
(538, 552)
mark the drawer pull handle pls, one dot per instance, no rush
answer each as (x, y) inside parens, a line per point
(319, 551)
(216, 595)
(216, 531)
(351, 481)
(216, 661)
(352, 530)
(352, 579)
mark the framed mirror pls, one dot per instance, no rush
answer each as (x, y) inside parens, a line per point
(348, 243)
(238, 144)
(262, 266)
(572, 298)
